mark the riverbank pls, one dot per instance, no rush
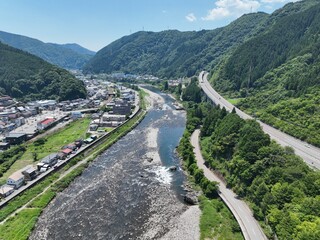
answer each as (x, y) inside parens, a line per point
(127, 192)
(185, 225)
(29, 205)
(153, 100)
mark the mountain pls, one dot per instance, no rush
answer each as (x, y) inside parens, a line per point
(173, 53)
(275, 74)
(69, 56)
(78, 49)
(28, 77)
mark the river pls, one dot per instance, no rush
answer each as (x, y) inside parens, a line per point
(128, 191)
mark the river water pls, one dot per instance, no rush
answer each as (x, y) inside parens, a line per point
(122, 195)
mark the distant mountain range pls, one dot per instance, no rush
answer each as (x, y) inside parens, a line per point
(269, 62)
(173, 53)
(28, 77)
(69, 56)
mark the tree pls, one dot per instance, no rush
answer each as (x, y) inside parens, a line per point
(252, 138)
(211, 189)
(179, 89)
(35, 156)
(165, 86)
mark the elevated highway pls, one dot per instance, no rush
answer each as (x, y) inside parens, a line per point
(309, 153)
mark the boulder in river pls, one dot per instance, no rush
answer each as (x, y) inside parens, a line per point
(190, 199)
(173, 168)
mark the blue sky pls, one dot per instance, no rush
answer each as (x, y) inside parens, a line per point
(96, 23)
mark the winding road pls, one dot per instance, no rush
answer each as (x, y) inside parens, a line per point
(250, 228)
(310, 154)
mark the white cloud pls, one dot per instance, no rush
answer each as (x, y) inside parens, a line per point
(191, 17)
(217, 13)
(226, 8)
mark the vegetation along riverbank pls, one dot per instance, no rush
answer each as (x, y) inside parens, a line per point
(19, 216)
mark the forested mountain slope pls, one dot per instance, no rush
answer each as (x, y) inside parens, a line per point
(276, 73)
(173, 53)
(70, 56)
(27, 77)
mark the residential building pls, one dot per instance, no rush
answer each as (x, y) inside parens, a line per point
(71, 146)
(6, 101)
(29, 173)
(93, 127)
(61, 155)
(113, 117)
(16, 179)
(51, 159)
(76, 115)
(6, 190)
(15, 138)
(45, 123)
(121, 107)
(66, 151)
(20, 121)
(4, 146)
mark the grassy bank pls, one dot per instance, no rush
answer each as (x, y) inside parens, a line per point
(47, 145)
(12, 228)
(21, 225)
(217, 222)
(142, 95)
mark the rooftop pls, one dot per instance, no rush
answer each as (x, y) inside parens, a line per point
(67, 150)
(47, 121)
(28, 169)
(5, 188)
(15, 135)
(48, 158)
(16, 175)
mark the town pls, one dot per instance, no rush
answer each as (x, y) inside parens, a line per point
(108, 106)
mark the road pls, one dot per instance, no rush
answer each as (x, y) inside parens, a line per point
(83, 148)
(249, 226)
(310, 154)
(51, 184)
(43, 175)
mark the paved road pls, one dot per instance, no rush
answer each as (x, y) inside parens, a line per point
(309, 153)
(249, 226)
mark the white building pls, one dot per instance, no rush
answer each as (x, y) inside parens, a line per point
(113, 117)
(76, 115)
(16, 179)
(45, 123)
(6, 190)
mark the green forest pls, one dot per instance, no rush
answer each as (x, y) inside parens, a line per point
(275, 74)
(282, 191)
(173, 53)
(269, 63)
(27, 77)
(69, 56)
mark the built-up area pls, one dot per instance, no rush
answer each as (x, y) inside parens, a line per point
(108, 106)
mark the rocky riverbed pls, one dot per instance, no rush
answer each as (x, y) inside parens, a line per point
(128, 192)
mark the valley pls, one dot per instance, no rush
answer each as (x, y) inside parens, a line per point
(184, 122)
